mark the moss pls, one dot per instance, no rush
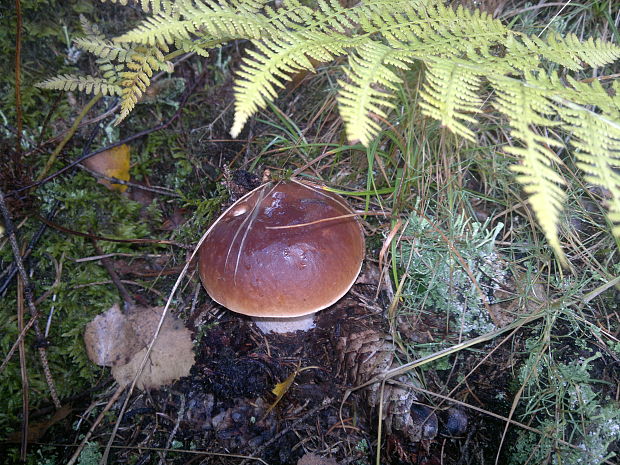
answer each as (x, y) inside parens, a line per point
(84, 290)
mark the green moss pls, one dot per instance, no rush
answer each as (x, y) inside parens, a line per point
(84, 290)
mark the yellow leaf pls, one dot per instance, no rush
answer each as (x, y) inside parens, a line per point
(113, 163)
(282, 388)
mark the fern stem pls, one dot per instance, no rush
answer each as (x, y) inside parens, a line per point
(18, 95)
(175, 54)
(70, 133)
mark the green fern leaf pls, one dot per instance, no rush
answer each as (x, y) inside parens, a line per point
(365, 94)
(592, 52)
(274, 63)
(438, 31)
(104, 49)
(582, 93)
(526, 105)
(570, 52)
(216, 22)
(88, 84)
(154, 6)
(159, 28)
(449, 93)
(597, 140)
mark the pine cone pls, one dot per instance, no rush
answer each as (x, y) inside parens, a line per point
(366, 354)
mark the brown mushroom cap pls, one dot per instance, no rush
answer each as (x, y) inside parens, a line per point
(250, 268)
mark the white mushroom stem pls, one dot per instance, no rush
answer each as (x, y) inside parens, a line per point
(285, 325)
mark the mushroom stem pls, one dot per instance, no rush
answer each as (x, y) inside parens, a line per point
(285, 325)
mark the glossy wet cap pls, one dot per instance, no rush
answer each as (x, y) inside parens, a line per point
(256, 262)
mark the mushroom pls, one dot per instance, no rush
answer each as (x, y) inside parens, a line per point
(281, 253)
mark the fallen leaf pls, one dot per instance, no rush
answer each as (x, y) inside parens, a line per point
(313, 459)
(121, 341)
(282, 388)
(113, 163)
(110, 340)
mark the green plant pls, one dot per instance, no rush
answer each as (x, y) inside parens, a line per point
(453, 275)
(562, 395)
(471, 59)
(46, 24)
(91, 455)
(562, 385)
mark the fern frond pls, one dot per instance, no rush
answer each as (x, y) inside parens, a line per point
(570, 52)
(597, 140)
(216, 22)
(105, 49)
(527, 106)
(365, 95)
(136, 78)
(582, 93)
(90, 29)
(88, 84)
(154, 6)
(592, 52)
(274, 63)
(199, 47)
(438, 31)
(449, 93)
(159, 28)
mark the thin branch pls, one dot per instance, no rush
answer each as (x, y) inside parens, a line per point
(51, 224)
(23, 371)
(122, 290)
(10, 232)
(96, 423)
(155, 190)
(12, 270)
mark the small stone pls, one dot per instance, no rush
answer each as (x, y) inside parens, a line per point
(456, 422)
(425, 417)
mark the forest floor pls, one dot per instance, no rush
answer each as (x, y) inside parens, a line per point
(461, 342)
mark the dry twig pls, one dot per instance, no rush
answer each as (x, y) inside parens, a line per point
(10, 231)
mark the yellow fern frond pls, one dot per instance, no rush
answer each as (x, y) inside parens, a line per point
(274, 63)
(449, 93)
(597, 140)
(216, 22)
(104, 49)
(87, 84)
(136, 78)
(592, 52)
(592, 94)
(439, 31)
(365, 95)
(570, 52)
(156, 29)
(154, 6)
(525, 106)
